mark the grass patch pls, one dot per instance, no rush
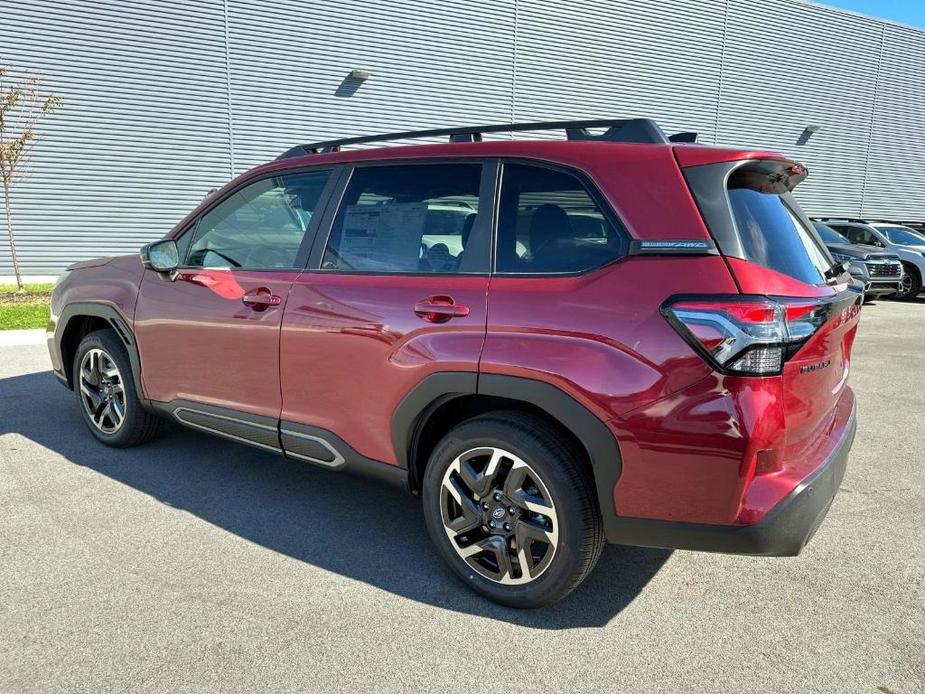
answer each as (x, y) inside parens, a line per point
(28, 309)
(21, 316)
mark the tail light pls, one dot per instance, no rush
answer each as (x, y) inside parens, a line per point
(748, 335)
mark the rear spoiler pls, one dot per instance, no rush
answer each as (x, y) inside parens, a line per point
(769, 175)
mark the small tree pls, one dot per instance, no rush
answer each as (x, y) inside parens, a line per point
(21, 108)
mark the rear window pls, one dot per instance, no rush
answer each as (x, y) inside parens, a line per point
(773, 236)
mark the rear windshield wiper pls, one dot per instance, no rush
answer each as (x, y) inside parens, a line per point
(836, 270)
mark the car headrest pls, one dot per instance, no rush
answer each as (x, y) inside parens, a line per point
(548, 224)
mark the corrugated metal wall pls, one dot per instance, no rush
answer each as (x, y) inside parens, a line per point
(622, 58)
(895, 174)
(791, 65)
(434, 63)
(143, 131)
(166, 99)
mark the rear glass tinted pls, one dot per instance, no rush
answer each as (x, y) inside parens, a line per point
(902, 236)
(773, 236)
(548, 222)
(414, 218)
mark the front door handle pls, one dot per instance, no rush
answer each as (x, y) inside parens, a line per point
(261, 299)
(440, 309)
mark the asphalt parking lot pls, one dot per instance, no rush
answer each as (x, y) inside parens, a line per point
(192, 564)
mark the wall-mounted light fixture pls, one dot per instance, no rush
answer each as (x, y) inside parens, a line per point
(359, 75)
(807, 133)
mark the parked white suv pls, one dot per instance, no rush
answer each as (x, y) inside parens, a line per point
(907, 243)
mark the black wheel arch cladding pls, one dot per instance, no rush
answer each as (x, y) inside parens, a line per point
(114, 321)
(596, 439)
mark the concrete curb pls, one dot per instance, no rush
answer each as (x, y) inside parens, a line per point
(18, 338)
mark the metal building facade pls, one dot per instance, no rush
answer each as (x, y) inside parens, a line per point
(165, 99)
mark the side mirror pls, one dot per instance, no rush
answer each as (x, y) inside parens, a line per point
(161, 256)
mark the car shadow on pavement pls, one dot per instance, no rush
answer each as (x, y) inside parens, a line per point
(360, 529)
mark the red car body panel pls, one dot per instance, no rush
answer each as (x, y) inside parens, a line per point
(198, 341)
(352, 347)
(113, 282)
(600, 337)
(699, 155)
(716, 452)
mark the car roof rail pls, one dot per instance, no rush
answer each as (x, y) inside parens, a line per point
(639, 130)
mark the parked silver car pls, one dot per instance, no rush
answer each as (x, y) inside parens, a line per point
(879, 271)
(909, 245)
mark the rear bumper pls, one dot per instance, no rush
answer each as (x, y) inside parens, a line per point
(784, 531)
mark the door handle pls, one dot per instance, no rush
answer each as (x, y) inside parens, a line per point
(261, 299)
(440, 309)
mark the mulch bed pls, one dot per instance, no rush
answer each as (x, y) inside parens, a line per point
(15, 298)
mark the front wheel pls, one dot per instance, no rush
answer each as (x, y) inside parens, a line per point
(105, 389)
(911, 283)
(509, 502)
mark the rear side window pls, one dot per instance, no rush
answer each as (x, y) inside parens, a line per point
(858, 235)
(406, 219)
(549, 223)
(772, 235)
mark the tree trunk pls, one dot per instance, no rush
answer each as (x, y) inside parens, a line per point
(7, 207)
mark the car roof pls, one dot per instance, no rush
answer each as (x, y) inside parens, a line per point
(877, 225)
(567, 152)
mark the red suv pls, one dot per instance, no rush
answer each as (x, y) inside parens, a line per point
(620, 337)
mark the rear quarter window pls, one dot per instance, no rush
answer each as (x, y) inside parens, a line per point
(549, 222)
(772, 234)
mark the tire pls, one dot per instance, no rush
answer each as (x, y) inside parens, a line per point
(536, 465)
(912, 284)
(103, 378)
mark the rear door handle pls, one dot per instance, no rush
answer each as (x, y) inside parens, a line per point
(261, 299)
(440, 309)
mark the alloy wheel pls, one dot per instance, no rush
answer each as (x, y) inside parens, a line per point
(906, 285)
(499, 516)
(102, 390)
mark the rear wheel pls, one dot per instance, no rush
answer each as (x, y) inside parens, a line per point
(105, 390)
(911, 284)
(511, 507)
